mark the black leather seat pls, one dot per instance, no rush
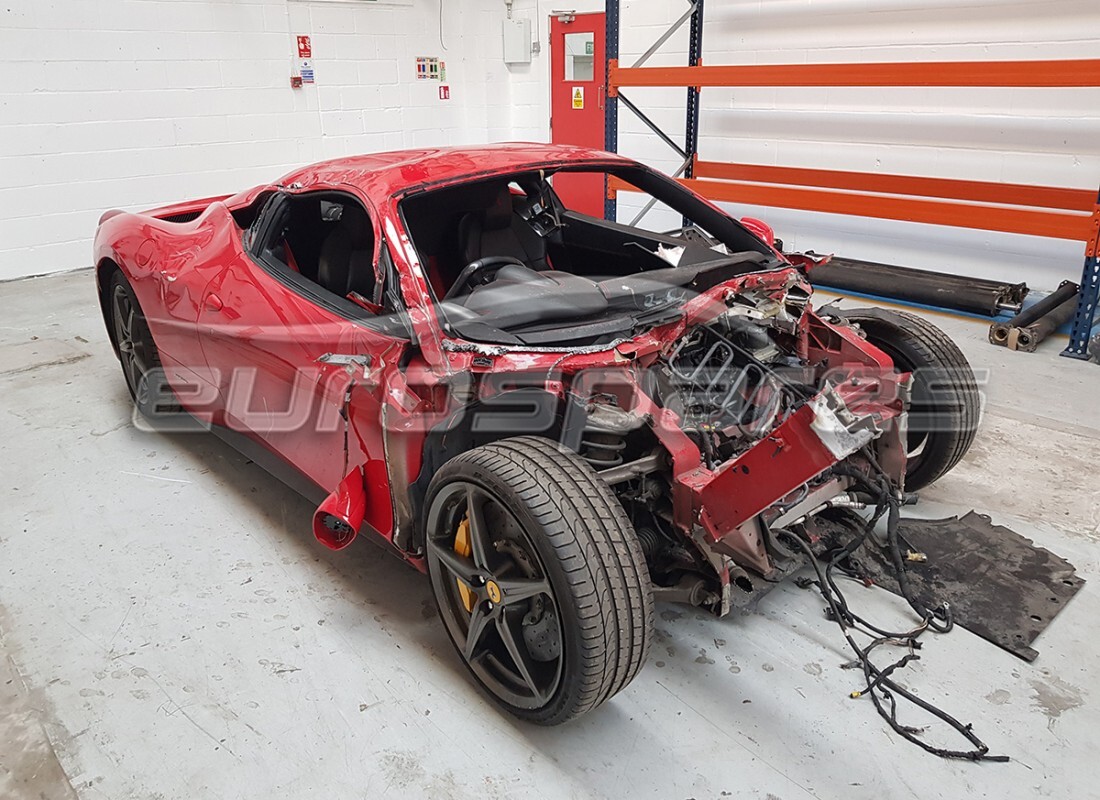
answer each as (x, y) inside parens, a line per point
(499, 231)
(346, 263)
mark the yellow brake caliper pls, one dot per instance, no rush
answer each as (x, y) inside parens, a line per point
(463, 548)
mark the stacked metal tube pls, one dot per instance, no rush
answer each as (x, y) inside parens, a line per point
(1031, 326)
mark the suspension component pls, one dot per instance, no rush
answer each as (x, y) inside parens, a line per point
(605, 432)
(602, 450)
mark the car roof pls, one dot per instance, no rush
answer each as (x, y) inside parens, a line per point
(384, 174)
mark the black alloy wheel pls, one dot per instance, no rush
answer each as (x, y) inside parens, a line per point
(493, 593)
(137, 352)
(539, 578)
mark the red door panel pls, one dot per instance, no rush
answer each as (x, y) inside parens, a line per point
(577, 97)
(265, 343)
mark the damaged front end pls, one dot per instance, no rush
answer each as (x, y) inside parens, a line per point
(736, 427)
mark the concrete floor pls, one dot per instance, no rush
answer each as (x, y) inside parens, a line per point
(169, 623)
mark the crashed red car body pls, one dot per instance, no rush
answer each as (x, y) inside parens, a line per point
(191, 276)
(357, 388)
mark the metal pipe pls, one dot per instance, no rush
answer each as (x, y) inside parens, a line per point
(1065, 291)
(1049, 323)
(840, 501)
(633, 469)
(939, 289)
(1031, 326)
(1030, 337)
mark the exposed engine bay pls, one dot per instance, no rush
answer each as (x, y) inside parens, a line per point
(727, 385)
(731, 380)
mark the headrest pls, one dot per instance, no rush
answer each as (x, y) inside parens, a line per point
(498, 216)
(355, 222)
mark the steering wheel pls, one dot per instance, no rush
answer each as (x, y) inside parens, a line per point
(478, 269)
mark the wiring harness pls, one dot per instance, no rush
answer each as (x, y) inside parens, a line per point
(880, 686)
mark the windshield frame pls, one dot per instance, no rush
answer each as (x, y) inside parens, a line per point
(702, 213)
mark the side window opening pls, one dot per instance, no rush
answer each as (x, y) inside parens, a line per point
(327, 239)
(246, 217)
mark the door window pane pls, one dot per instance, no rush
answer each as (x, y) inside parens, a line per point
(580, 56)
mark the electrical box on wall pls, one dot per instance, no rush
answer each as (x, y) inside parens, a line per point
(517, 41)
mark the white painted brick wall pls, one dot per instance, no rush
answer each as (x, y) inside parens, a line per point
(132, 103)
(135, 103)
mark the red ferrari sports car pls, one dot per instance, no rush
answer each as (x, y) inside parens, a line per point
(559, 418)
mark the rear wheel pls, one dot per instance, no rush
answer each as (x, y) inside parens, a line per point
(943, 418)
(137, 352)
(539, 578)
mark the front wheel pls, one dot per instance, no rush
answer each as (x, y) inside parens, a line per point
(539, 578)
(943, 417)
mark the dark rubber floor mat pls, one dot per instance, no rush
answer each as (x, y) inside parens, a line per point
(1000, 585)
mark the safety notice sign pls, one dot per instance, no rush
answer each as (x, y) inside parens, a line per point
(578, 98)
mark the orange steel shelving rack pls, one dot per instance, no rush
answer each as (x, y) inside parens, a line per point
(1053, 212)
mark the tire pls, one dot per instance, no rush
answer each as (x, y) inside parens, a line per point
(136, 351)
(944, 415)
(563, 565)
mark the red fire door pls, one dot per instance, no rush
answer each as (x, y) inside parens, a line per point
(577, 97)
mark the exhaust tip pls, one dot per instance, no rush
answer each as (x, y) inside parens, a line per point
(337, 520)
(333, 532)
